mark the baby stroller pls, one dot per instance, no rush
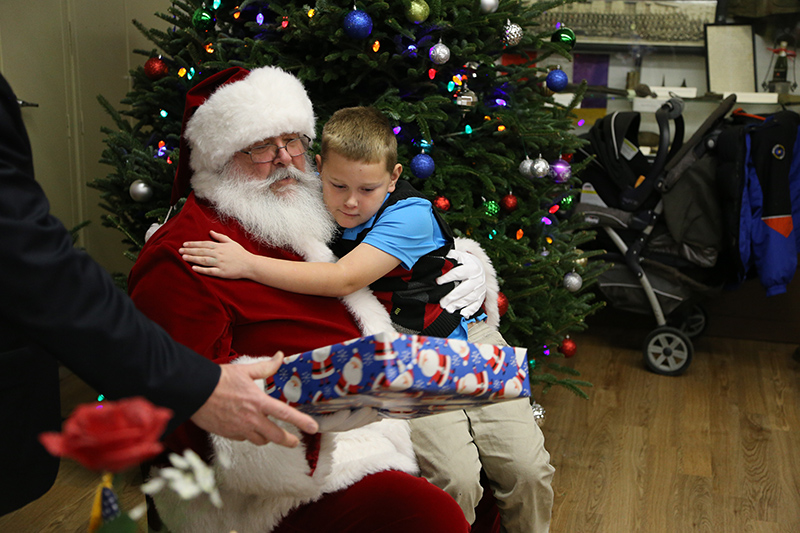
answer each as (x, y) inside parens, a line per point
(662, 217)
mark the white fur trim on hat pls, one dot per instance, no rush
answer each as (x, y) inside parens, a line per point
(267, 103)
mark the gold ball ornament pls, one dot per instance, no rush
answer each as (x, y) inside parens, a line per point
(418, 11)
(581, 261)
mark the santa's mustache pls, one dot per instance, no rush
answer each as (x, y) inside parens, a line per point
(279, 174)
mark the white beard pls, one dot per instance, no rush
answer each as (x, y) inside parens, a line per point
(296, 219)
(290, 219)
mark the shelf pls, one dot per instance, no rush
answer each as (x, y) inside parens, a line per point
(637, 48)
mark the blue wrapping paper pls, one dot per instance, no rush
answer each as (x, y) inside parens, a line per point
(403, 376)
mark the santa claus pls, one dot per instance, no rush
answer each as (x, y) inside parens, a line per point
(355, 479)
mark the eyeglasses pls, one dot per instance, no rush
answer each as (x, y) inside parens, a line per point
(267, 153)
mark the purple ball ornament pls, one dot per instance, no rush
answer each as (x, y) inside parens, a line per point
(357, 24)
(422, 166)
(556, 80)
(560, 171)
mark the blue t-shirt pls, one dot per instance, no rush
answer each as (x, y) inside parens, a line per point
(406, 230)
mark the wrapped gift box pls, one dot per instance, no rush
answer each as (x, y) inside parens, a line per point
(404, 376)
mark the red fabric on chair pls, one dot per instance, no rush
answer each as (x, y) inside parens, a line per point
(385, 502)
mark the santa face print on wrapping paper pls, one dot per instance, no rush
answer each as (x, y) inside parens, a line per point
(434, 366)
(473, 384)
(352, 373)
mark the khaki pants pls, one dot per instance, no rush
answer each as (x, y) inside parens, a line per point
(503, 439)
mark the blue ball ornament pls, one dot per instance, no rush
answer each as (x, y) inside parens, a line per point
(422, 166)
(556, 80)
(357, 24)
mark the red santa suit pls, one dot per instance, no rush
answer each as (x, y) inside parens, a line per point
(222, 319)
(225, 319)
(346, 475)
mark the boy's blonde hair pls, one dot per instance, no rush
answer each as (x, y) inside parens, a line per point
(360, 134)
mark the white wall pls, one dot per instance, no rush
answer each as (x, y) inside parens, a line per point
(61, 54)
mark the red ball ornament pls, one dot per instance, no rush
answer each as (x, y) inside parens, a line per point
(509, 202)
(502, 303)
(568, 347)
(567, 157)
(155, 68)
(442, 203)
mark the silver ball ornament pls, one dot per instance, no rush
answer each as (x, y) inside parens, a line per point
(538, 412)
(512, 33)
(573, 282)
(541, 167)
(526, 167)
(439, 53)
(489, 6)
(140, 191)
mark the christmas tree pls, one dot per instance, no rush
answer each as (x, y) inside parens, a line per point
(478, 129)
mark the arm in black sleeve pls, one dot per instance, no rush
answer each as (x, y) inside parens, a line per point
(57, 297)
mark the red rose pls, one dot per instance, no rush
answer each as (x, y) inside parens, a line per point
(110, 436)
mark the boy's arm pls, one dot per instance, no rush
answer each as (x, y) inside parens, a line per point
(227, 259)
(363, 265)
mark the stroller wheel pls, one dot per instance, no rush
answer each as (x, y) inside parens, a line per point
(667, 351)
(694, 324)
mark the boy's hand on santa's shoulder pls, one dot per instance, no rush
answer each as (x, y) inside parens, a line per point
(469, 294)
(222, 258)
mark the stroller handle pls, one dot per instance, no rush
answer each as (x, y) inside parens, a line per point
(672, 109)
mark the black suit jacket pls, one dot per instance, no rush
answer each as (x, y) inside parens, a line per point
(58, 305)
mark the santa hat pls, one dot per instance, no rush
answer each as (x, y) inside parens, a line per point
(231, 110)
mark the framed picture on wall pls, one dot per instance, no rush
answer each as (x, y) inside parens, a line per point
(730, 58)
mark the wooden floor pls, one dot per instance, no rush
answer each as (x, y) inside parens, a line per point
(715, 450)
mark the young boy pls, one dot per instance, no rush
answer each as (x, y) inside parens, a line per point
(394, 241)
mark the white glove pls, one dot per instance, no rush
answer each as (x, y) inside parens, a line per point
(470, 293)
(346, 419)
